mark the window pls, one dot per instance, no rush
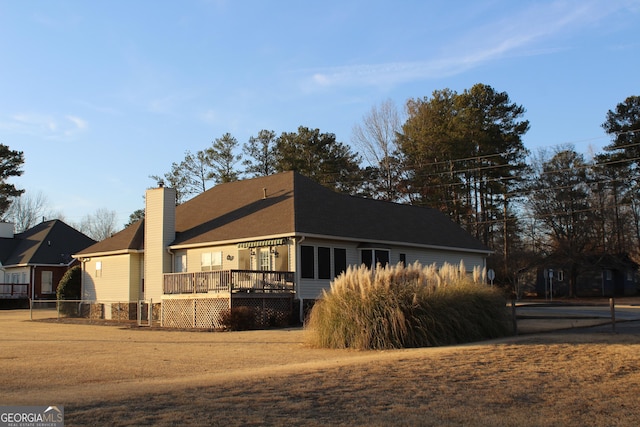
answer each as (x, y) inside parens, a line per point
(382, 257)
(339, 261)
(98, 268)
(244, 259)
(307, 263)
(264, 259)
(181, 263)
(46, 285)
(372, 257)
(367, 257)
(607, 275)
(210, 261)
(324, 263)
(560, 276)
(403, 259)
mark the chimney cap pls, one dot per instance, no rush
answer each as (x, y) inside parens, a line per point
(160, 183)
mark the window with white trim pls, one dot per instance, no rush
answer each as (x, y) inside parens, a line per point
(403, 259)
(181, 263)
(264, 259)
(210, 261)
(46, 285)
(339, 261)
(324, 262)
(307, 264)
(372, 257)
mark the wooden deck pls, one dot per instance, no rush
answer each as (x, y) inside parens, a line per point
(14, 290)
(232, 281)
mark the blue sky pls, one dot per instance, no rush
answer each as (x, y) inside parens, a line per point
(100, 95)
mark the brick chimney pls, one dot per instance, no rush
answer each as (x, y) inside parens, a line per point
(7, 230)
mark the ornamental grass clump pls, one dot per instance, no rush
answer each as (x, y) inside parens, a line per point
(401, 307)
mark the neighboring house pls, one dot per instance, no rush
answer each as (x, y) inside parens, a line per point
(255, 241)
(596, 275)
(34, 261)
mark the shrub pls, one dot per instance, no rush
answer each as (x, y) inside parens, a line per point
(70, 288)
(413, 306)
(238, 319)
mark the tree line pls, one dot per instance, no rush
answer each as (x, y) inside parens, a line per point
(460, 153)
(313, 153)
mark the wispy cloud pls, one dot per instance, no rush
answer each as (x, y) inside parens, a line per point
(528, 32)
(210, 116)
(165, 104)
(77, 122)
(43, 125)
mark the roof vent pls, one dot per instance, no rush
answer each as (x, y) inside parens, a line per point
(264, 193)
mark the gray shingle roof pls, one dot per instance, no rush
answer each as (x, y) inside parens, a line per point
(129, 239)
(296, 205)
(322, 211)
(50, 243)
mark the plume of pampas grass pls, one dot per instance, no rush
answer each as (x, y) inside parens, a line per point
(407, 306)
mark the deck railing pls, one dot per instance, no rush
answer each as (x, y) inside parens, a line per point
(229, 281)
(14, 290)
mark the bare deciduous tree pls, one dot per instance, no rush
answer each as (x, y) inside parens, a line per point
(28, 210)
(376, 137)
(99, 225)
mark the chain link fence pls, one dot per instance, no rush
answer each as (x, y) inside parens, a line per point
(144, 313)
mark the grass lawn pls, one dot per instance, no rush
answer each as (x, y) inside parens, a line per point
(111, 375)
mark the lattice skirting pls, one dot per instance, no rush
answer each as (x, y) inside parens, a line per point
(193, 312)
(268, 311)
(205, 312)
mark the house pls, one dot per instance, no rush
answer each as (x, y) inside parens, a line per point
(34, 261)
(270, 243)
(601, 275)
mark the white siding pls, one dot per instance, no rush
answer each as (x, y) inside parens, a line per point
(194, 257)
(136, 273)
(16, 275)
(233, 257)
(431, 256)
(312, 288)
(159, 233)
(118, 278)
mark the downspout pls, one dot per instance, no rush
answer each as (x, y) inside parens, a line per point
(81, 277)
(32, 278)
(173, 259)
(83, 262)
(299, 278)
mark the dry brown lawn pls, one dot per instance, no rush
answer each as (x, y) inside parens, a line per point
(116, 376)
